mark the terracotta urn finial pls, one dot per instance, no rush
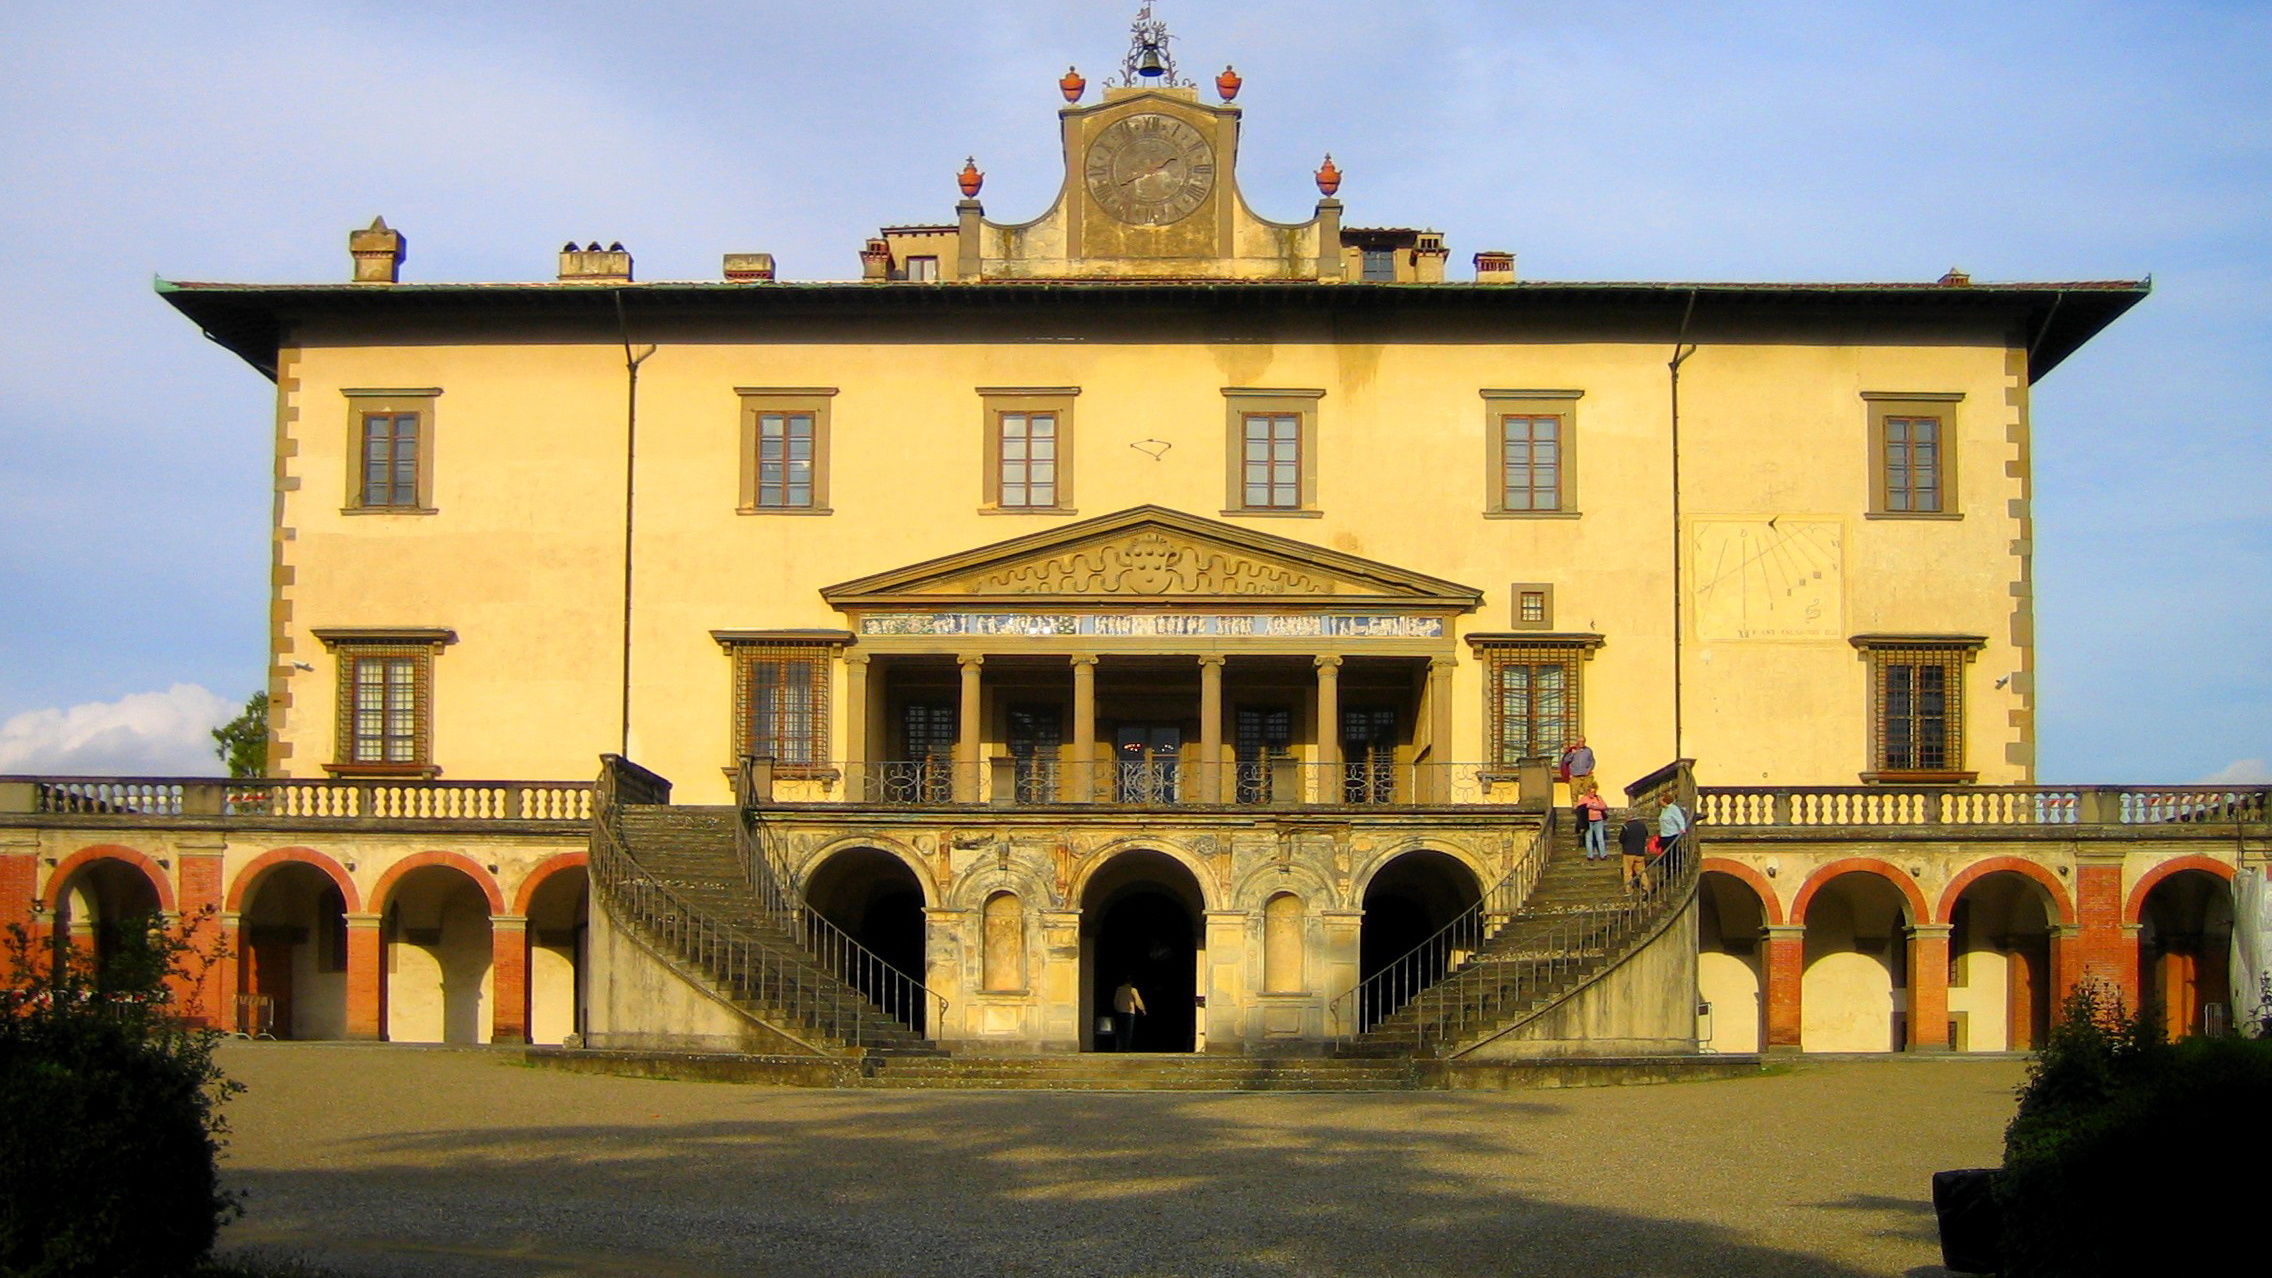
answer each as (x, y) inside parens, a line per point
(1328, 177)
(970, 178)
(1072, 86)
(1227, 84)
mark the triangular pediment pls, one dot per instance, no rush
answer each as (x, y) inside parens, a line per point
(1150, 554)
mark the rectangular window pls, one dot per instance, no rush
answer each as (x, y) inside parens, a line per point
(1264, 735)
(781, 689)
(1912, 454)
(1380, 265)
(1529, 458)
(1917, 706)
(1531, 608)
(385, 711)
(923, 270)
(1029, 449)
(1273, 461)
(390, 451)
(1036, 735)
(784, 449)
(1029, 459)
(1530, 453)
(1272, 452)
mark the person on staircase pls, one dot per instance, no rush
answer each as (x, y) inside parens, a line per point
(1593, 823)
(1633, 842)
(1577, 765)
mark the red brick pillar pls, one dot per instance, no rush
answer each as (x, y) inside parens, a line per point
(19, 879)
(509, 978)
(2109, 949)
(1786, 963)
(229, 983)
(205, 991)
(366, 978)
(2066, 962)
(1929, 987)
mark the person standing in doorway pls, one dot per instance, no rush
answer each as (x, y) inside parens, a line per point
(1593, 823)
(1127, 1005)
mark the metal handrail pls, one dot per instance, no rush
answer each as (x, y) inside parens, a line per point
(1522, 972)
(1042, 780)
(894, 992)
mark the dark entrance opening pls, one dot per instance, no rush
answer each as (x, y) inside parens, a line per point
(1140, 919)
(875, 899)
(1406, 906)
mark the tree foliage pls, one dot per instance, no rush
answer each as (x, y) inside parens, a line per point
(242, 742)
(113, 1106)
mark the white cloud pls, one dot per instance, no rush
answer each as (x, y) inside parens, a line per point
(143, 734)
(2241, 772)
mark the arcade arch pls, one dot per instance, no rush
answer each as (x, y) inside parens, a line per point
(292, 951)
(435, 935)
(1143, 920)
(873, 897)
(1854, 990)
(557, 908)
(2185, 932)
(1731, 972)
(1407, 904)
(2000, 971)
(99, 895)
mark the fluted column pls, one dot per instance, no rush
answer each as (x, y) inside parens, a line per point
(969, 743)
(1084, 727)
(1211, 728)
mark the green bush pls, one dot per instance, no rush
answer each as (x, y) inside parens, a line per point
(113, 1111)
(2122, 1157)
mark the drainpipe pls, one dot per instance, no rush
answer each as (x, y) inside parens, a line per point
(631, 365)
(1680, 353)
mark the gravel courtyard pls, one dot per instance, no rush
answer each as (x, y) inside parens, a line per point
(415, 1161)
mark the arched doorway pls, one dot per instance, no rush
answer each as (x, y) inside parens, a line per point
(1731, 920)
(874, 898)
(100, 909)
(1407, 904)
(1854, 996)
(2000, 964)
(438, 951)
(292, 955)
(558, 928)
(1141, 921)
(2185, 937)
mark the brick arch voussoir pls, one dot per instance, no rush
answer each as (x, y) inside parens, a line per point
(542, 874)
(2062, 905)
(2133, 910)
(70, 866)
(1902, 883)
(1770, 907)
(241, 887)
(458, 861)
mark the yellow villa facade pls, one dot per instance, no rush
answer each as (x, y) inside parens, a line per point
(1154, 592)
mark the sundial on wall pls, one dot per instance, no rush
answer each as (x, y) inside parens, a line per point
(1778, 578)
(1150, 169)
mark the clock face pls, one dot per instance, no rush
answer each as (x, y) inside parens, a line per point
(1150, 169)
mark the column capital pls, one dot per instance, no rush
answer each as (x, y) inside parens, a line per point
(1083, 658)
(1329, 663)
(858, 658)
(1443, 663)
(510, 922)
(1930, 931)
(1210, 659)
(971, 660)
(362, 920)
(1785, 931)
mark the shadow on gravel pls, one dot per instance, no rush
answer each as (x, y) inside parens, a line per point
(980, 1184)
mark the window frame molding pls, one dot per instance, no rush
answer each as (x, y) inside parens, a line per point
(1500, 404)
(744, 650)
(1571, 649)
(1953, 652)
(994, 401)
(1242, 402)
(1939, 405)
(348, 644)
(365, 402)
(756, 402)
(1515, 593)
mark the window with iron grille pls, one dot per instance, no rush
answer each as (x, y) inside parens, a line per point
(1917, 706)
(385, 712)
(781, 710)
(1534, 702)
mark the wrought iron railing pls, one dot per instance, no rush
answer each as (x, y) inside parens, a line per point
(292, 799)
(900, 995)
(1028, 780)
(754, 958)
(1494, 964)
(2003, 805)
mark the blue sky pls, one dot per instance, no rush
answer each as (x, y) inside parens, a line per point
(1606, 141)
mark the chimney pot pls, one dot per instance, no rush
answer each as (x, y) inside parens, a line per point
(749, 267)
(595, 265)
(378, 251)
(1494, 266)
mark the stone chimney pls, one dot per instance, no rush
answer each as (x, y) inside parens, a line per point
(1494, 266)
(1429, 256)
(875, 260)
(378, 251)
(595, 265)
(744, 268)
